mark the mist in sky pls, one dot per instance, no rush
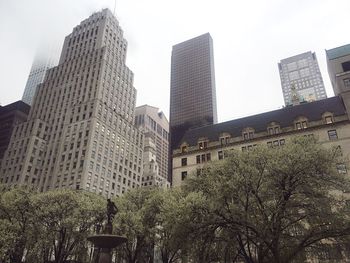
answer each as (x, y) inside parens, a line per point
(250, 38)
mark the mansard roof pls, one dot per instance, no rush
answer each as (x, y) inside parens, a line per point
(284, 117)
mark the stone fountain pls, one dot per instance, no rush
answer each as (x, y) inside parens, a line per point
(107, 241)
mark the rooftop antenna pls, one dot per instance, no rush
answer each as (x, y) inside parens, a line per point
(115, 3)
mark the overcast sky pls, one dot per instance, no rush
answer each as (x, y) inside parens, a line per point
(250, 38)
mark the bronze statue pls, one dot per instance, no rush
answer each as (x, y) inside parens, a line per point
(111, 211)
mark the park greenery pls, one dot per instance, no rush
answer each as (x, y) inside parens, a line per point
(274, 205)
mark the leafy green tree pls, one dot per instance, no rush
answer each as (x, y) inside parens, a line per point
(16, 218)
(137, 220)
(64, 219)
(174, 224)
(276, 203)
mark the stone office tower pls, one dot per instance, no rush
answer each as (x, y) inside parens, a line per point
(192, 91)
(156, 126)
(80, 131)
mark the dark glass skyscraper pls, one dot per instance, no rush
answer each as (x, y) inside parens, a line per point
(192, 92)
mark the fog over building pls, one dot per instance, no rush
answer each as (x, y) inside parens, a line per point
(80, 131)
(301, 77)
(44, 59)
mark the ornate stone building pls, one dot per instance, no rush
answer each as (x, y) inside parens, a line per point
(327, 120)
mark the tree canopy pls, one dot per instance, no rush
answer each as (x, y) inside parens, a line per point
(277, 205)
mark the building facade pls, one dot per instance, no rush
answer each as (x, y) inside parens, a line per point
(327, 120)
(41, 64)
(10, 116)
(338, 63)
(301, 77)
(151, 169)
(155, 126)
(80, 131)
(192, 86)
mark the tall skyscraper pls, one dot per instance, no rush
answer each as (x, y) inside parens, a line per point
(156, 126)
(80, 131)
(192, 91)
(300, 76)
(42, 62)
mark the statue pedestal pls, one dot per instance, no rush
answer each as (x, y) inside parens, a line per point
(106, 242)
(105, 256)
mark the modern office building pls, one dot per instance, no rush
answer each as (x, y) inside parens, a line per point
(338, 62)
(80, 131)
(301, 77)
(156, 126)
(10, 116)
(192, 88)
(42, 62)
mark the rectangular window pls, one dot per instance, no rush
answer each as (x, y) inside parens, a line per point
(332, 134)
(202, 145)
(222, 141)
(183, 161)
(270, 131)
(347, 83)
(329, 119)
(183, 175)
(245, 136)
(208, 157)
(341, 168)
(346, 66)
(301, 125)
(220, 155)
(198, 159)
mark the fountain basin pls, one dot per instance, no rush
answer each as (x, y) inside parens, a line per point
(106, 240)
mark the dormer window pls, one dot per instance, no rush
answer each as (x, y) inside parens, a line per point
(301, 123)
(224, 139)
(248, 133)
(328, 119)
(273, 128)
(183, 148)
(203, 145)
